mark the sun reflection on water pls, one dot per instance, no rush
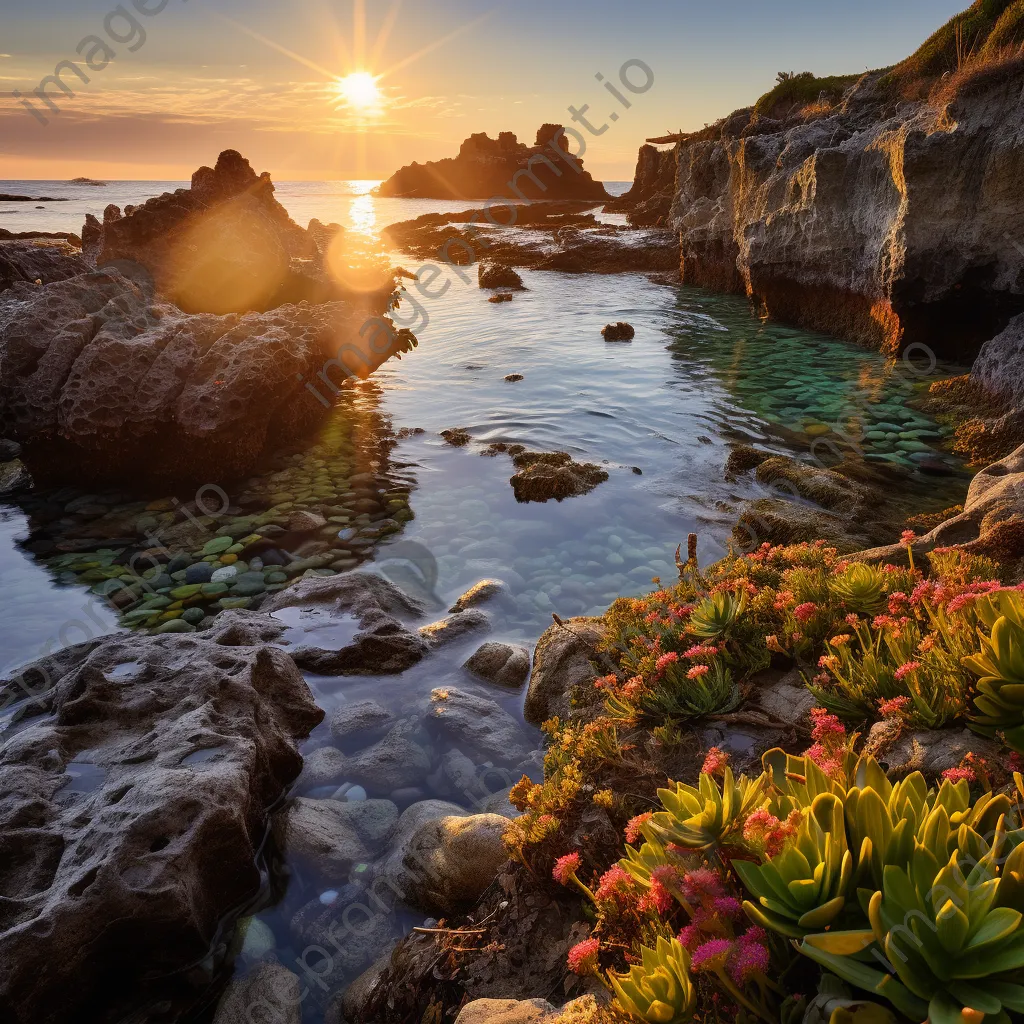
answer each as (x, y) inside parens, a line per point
(362, 210)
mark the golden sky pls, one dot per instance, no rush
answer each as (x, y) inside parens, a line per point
(188, 78)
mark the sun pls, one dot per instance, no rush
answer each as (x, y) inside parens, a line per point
(360, 92)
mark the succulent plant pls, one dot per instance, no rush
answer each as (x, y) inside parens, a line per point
(714, 616)
(678, 696)
(860, 588)
(948, 927)
(807, 885)
(1000, 668)
(706, 816)
(659, 989)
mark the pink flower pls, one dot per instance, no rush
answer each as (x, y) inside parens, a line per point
(583, 957)
(690, 937)
(666, 875)
(697, 671)
(749, 960)
(955, 775)
(565, 868)
(897, 602)
(906, 669)
(657, 898)
(703, 884)
(701, 651)
(665, 660)
(852, 620)
(633, 832)
(895, 707)
(715, 761)
(727, 906)
(826, 726)
(805, 612)
(615, 884)
(908, 537)
(712, 955)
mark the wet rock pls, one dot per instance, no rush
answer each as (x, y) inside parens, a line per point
(501, 297)
(240, 627)
(564, 659)
(391, 763)
(620, 331)
(455, 627)
(9, 450)
(478, 724)
(498, 275)
(991, 523)
(270, 993)
(825, 487)
(503, 664)
(543, 476)
(478, 594)
(14, 477)
(323, 767)
(135, 796)
(384, 645)
(136, 388)
(776, 521)
(513, 378)
(457, 437)
(444, 858)
(359, 723)
(743, 458)
(330, 836)
(26, 261)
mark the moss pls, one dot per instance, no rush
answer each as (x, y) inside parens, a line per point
(803, 90)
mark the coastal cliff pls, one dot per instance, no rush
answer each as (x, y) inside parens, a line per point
(885, 209)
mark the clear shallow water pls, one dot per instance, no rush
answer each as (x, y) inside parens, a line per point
(702, 373)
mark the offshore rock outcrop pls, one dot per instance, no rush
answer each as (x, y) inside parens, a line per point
(502, 167)
(879, 220)
(135, 786)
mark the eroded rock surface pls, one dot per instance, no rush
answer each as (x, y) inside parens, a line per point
(875, 219)
(564, 659)
(134, 792)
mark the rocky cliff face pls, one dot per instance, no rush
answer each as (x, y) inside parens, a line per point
(881, 221)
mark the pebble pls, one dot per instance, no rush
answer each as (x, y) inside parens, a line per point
(217, 546)
(227, 572)
(201, 572)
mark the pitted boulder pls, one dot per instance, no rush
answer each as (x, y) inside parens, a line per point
(134, 796)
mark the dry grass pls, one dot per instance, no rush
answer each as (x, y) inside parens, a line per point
(978, 71)
(985, 37)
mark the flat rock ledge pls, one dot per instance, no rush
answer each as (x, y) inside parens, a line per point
(135, 774)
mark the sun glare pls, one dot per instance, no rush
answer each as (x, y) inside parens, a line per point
(360, 92)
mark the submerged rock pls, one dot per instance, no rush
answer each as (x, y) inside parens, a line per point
(477, 724)
(135, 793)
(271, 993)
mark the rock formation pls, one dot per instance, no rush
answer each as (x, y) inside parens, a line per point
(504, 168)
(134, 788)
(877, 219)
(225, 245)
(213, 326)
(100, 379)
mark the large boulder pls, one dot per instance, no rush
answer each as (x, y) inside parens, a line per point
(991, 523)
(564, 660)
(271, 994)
(40, 259)
(476, 723)
(100, 379)
(133, 793)
(444, 858)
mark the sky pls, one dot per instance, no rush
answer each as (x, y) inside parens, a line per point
(170, 88)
